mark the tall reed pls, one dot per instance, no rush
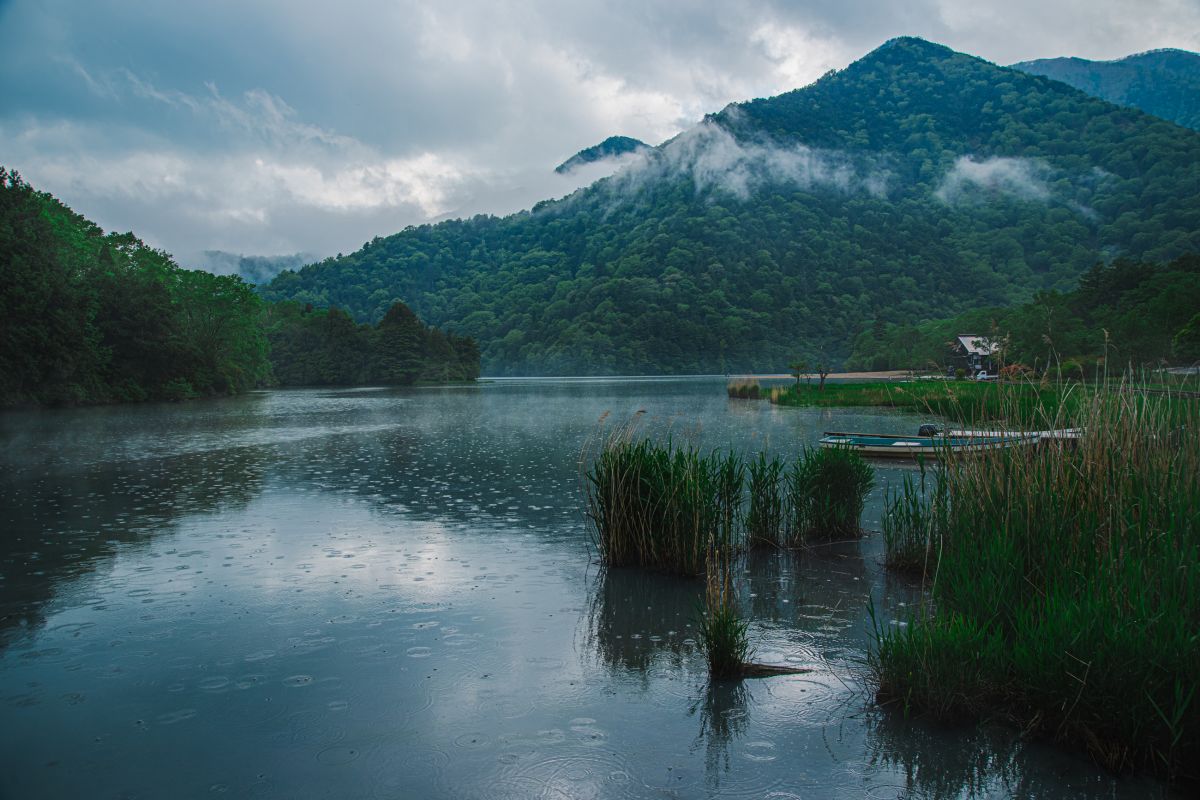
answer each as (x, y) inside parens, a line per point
(766, 510)
(913, 521)
(1067, 592)
(723, 633)
(659, 505)
(827, 488)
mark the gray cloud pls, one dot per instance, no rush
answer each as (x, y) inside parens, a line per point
(280, 126)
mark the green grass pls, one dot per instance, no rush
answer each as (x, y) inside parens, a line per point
(826, 490)
(913, 521)
(1067, 592)
(766, 511)
(961, 401)
(661, 506)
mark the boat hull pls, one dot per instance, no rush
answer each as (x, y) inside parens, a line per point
(929, 447)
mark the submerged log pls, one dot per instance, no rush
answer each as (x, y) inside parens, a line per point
(770, 670)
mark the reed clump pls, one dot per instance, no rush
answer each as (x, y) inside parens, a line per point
(766, 508)
(1067, 592)
(826, 489)
(659, 505)
(744, 389)
(913, 521)
(723, 633)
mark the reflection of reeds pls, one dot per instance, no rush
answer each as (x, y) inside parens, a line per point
(1068, 588)
(639, 617)
(744, 389)
(827, 488)
(723, 717)
(941, 764)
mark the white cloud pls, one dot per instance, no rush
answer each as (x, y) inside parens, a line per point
(1018, 177)
(714, 159)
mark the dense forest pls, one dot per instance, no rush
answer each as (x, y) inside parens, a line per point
(1165, 83)
(325, 347)
(1124, 314)
(90, 317)
(916, 183)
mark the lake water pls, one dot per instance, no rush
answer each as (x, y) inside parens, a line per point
(392, 594)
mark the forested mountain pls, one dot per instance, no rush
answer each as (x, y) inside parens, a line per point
(1165, 83)
(610, 148)
(914, 184)
(90, 317)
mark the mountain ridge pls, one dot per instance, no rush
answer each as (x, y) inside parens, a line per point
(1164, 82)
(914, 178)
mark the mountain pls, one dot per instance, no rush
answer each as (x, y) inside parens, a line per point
(1165, 83)
(611, 147)
(916, 183)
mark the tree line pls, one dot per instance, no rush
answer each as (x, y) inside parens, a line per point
(94, 317)
(1127, 313)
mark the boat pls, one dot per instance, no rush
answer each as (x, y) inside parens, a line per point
(929, 446)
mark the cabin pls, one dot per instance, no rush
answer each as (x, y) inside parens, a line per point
(973, 354)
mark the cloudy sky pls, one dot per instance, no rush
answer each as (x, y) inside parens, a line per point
(278, 126)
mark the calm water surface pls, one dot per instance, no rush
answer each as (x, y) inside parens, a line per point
(391, 594)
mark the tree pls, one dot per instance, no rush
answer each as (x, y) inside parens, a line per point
(823, 370)
(798, 368)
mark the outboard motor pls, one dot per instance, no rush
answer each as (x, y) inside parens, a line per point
(928, 430)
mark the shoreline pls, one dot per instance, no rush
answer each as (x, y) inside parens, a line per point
(866, 375)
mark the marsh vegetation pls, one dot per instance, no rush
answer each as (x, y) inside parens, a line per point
(1064, 583)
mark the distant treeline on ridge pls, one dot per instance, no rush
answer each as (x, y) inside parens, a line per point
(89, 317)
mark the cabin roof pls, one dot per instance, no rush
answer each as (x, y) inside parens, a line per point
(977, 345)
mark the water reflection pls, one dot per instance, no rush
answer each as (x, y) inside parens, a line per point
(939, 762)
(67, 525)
(724, 713)
(640, 618)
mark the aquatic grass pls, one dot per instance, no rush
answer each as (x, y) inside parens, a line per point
(913, 521)
(766, 511)
(1019, 403)
(729, 475)
(723, 633)
(1067, 592)
(826, 489)
(659, 505)
(744, 389)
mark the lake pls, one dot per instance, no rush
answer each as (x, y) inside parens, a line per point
(393, 593)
